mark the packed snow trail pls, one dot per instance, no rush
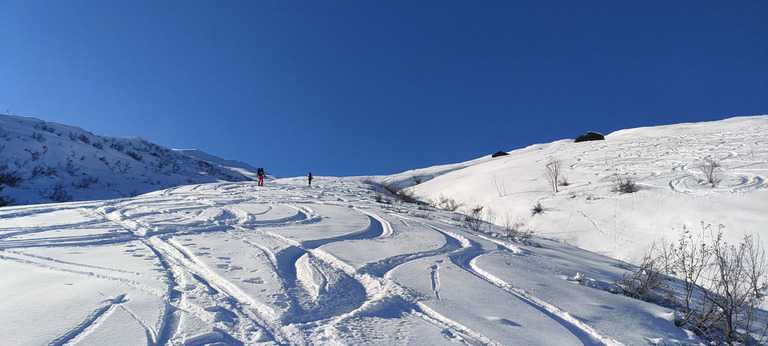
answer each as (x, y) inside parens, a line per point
(233, 263)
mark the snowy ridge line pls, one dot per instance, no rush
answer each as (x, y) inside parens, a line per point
(89, 321)
(521, 294)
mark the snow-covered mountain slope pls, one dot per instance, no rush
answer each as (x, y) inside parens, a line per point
(234, 263)
(665, 162)
(237, 166)
(43, 162)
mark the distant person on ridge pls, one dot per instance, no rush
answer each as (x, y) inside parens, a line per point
(260, 172)
(310, 178)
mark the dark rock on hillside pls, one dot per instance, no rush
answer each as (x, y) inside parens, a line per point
(499, 153)
(590, 136)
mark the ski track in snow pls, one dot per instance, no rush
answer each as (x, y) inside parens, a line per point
(314, 292)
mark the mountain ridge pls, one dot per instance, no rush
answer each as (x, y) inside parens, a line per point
(45, 162)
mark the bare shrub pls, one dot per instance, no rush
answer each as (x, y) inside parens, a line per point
(86, 182)
(425, 212)
(723, 284)
(552, 171)
(391, 188)
(490, 219)
(43, 170)
(515, 231)
(501, 186)
(56, 193)
(537, 209)
(136, 156)
(624, 183)
(447, 203)
(83, 138)
(12, 179)
(378, 197)
(711, 169)
(38, 137)
(406, 195)
(3, 201)
(645, 281)
(473, 220)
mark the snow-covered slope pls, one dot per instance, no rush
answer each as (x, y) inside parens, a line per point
(234, 263)
(664, 161)
(44, 162)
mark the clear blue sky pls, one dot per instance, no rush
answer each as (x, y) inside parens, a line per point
(378, 87)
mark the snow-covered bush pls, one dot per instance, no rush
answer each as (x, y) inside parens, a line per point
(624, 184)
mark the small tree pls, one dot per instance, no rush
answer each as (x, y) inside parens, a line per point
(552, 171)
(711, 169)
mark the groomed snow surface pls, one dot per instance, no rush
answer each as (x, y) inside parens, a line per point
(234, 263)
